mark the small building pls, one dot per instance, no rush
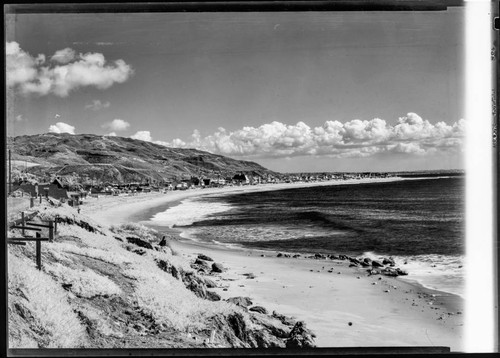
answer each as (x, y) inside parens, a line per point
(241, 179)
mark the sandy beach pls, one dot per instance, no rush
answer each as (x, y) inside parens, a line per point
(344, 306)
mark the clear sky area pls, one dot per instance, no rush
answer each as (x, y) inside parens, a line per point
(293, 91)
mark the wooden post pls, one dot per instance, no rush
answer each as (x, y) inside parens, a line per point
(22, 222)
(32, 202)
(38, 252)
(55, 225)
(51, 231)
(40, 198)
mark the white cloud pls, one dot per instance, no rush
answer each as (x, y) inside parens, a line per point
(61, 127)
(117, 125)
(412, 135)
(66, 72)
(112, 134)
(97, 105)
(142, 135)
(64, 56)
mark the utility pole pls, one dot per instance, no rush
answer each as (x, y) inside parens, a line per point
(10, 174)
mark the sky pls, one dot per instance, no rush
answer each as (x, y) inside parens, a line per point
(292, 91)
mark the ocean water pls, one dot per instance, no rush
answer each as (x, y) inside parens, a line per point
(419, 222)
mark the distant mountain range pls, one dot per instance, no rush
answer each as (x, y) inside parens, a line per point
(120, 159)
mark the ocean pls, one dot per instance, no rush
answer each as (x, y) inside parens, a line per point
(419, 222)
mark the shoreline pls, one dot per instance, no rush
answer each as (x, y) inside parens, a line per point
(326, 294)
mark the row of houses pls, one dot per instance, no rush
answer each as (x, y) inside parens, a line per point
(55, 189)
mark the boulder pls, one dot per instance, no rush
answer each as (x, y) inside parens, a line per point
(300, 337)
(401, 272)
(334, 257)
(204, 257)
(319, 256)
(279, 254)
(258, 309)
(216, 267)
(388, 261)
(240, 301)
(367, 260)
(365, 264)
(140, 242)
(203, 264)
(212, 296)
(376, 263)
(354, 260)
(373, 272)
(163, 241)
(353, 265)
(390, 272)
(295, 256)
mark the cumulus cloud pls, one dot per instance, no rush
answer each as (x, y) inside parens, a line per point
(97, 105)
(142, 135)
(61, 127)
(66, 71)
(411, 135)
(117, 125)
(112, 134)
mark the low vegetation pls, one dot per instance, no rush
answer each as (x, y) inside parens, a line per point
(122, 287)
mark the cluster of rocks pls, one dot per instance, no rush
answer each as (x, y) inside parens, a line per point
(206, 265)
(384, 266)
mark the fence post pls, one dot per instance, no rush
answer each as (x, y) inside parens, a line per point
(51, 231)
(22, 222)
(55, 224)
(40, 198)
(38, 252)
(32, 202)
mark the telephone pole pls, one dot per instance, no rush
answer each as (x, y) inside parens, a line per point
(10, 174)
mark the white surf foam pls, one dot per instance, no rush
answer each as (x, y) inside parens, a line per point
(188, 212)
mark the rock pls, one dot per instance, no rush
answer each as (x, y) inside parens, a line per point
(373, 272)
(163, 241)
(343, 257)
(350, 323)
(334, 257)
(286, 255)
(390, 272)
(240, 301)
(364, 264)
(67, 286)
(279, 254)
(139, 252)
(212, 296)
(353, 265)
(118, 238)
(295, 256)
(401, 272)
(140, 242)
(210, 283)
(258, 309)
(204, 257)
(367, 260)
(250, 275)
(287, 321)
(202, 263)
(300, 337)
(319, 256)
(216, 267)
(388, 261)
(376, 263)
(354, 260)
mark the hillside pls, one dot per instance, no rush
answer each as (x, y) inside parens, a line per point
(124, 287)
(120, 159)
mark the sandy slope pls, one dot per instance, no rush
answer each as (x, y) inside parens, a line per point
(382, 312)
